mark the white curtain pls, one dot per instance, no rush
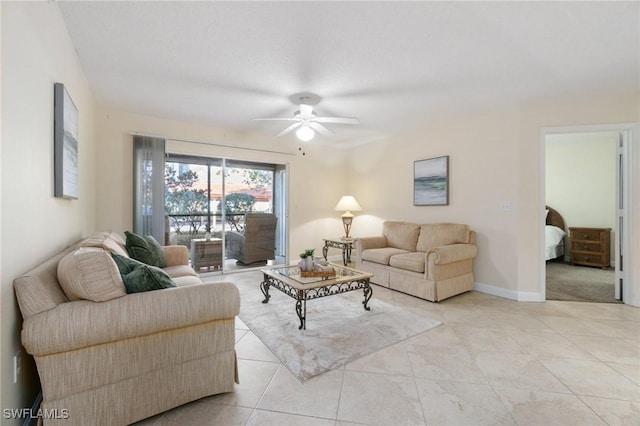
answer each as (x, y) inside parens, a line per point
(148, 186)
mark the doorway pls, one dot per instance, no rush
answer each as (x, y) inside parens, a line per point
(586, 179)
(580, 188)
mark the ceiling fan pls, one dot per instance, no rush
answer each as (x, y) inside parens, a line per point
(307, 122)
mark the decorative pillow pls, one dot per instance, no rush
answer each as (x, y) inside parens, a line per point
(104, 240)
(125, 264)
(141, 249)
(157, 250)
(139, 277)
(146, 278)
(89, 273)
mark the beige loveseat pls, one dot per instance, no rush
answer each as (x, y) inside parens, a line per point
(119, 361)
(430, 261)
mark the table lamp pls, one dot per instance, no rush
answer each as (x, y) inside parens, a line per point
(347, 204)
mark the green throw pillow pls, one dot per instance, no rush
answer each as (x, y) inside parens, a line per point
(125, 264)
(158, 250)
(146, 278)
(142, 249)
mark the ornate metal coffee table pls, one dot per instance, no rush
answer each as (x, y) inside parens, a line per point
(289, 281)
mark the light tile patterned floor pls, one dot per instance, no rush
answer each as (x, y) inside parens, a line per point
(492, 362)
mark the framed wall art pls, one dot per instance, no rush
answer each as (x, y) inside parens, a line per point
(431, 182)
(65, 144)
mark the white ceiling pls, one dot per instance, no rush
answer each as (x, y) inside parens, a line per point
(390, 64)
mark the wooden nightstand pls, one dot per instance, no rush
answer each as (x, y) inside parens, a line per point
(590, 246)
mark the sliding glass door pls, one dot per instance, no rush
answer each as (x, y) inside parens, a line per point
(229, 213)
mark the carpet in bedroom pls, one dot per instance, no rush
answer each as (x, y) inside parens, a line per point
(580, 283)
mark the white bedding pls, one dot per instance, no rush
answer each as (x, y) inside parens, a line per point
(554, 243)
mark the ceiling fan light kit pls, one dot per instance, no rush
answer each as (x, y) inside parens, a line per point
(305, 133)
(308, 123)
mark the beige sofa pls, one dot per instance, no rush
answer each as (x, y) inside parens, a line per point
(119, 361)
(430, 261)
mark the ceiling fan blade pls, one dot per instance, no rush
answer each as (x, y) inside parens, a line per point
(288, 129)
(339, 120)
(275, 119)
(321, 129)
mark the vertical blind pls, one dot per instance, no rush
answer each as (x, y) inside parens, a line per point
(148, 186)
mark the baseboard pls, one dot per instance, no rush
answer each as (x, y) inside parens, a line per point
(519, 296)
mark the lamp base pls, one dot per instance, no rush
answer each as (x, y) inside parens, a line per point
(347, 218)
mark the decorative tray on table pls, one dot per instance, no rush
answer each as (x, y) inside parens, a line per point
(322, 274)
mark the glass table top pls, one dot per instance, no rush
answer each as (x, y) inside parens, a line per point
(342, 274)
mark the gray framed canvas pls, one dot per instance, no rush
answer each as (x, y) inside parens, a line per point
(431, 182)
(65, 144)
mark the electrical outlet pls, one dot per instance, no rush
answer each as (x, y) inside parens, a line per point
(17, 365)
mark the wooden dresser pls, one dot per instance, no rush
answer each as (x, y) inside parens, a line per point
(590, 246)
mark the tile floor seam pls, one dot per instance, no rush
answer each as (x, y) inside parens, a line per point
(595, 395)
(422, 406)
(515, 421)
(340, 393)
(592, 410)
(266, 388)
(293, 414)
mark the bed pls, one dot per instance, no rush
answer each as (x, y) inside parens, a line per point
(554, 232)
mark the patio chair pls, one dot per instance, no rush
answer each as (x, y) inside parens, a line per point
(259, 243)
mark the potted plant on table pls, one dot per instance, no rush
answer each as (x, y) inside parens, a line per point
(306, 260)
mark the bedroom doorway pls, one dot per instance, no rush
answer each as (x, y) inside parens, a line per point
(586, 185)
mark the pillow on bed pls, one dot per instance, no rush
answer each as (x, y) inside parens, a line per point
(553, 235)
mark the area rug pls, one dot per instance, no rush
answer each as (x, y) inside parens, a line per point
(580, 283)
(338, 331)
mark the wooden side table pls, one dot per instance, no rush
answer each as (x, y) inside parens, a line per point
(346, 245)
(206, 253)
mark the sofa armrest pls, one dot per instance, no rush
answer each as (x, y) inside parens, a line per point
(364, 243)
(452, 253)
(176, 255)
(370, 243)
(83, 323)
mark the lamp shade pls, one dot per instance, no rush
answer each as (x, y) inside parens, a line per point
(348, 203)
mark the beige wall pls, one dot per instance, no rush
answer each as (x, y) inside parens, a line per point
(580, 179)
(495, 157)
(481, 148)
(35, 225)
(317, 180)
(538, 116)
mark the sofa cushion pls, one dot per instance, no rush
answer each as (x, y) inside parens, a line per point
(145, 249)
(401, 235)
(381, 255)
(186, 280)
(146, 278)
(107, 241)
(89, 273)
(442, 234)
(180, 271)
(408, 261)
